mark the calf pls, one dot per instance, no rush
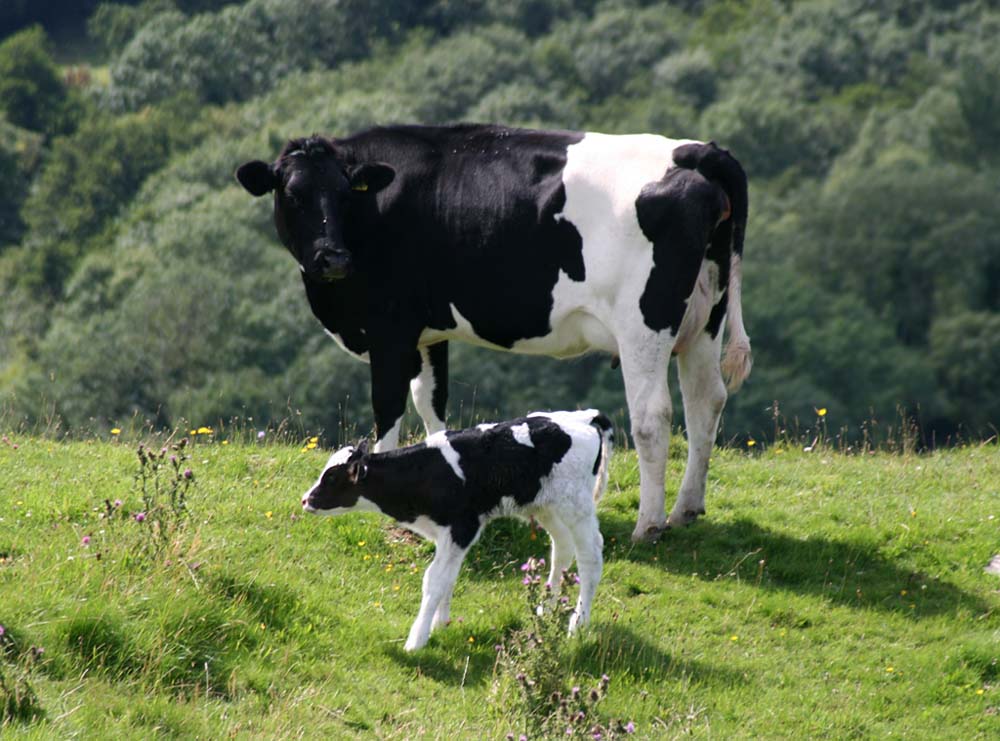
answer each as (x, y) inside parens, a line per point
(549, 466)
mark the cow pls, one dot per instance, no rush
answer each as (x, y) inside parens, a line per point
(549, 466)
(541, 242)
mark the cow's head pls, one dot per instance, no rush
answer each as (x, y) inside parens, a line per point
(316, 194)
(340, 486)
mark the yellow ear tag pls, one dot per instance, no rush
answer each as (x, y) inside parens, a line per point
(360, 186)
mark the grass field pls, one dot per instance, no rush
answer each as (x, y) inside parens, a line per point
(824, 595)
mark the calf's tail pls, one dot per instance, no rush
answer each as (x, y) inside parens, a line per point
(605, 431)
(719, 166)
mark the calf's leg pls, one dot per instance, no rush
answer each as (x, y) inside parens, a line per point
(589, 545)
(439, 581)
(562, 546)
(704, 399)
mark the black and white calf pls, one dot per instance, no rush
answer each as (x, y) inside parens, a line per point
(549, 465)
(541, 242)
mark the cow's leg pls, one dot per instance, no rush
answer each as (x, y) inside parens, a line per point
(439, 580)
(392, 368)
(645, 366)
(589, 545)
(704, 398)
(429, 387)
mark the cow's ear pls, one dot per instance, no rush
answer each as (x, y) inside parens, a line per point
(371, 177)
(257, 177)
(360, 450)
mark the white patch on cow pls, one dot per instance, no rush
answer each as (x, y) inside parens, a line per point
(486, 426)
(390, 440)
(603, 177)
(522, 434)
(336, 338)
(422, 388)
(440, 441)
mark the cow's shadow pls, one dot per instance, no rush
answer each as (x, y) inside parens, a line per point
(847, 573)
(604, 648)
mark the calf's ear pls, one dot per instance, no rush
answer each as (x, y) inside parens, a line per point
(361, 449)
(371, 177)
(257, 177)
(356, 471)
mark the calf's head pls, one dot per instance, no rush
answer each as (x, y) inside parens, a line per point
(316, 194)
(339, 488)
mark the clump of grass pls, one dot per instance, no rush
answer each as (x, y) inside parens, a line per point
(531, 673)
(18, 700)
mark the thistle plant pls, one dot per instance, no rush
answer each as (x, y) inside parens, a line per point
(531, 673)
(163, 482)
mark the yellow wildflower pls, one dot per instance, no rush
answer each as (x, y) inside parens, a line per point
(821, 411)
(751, 442)
(116, 431)
(268, 514)
(204, 430)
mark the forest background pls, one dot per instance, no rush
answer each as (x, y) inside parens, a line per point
(140, 282)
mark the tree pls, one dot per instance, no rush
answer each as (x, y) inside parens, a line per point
(32, 93)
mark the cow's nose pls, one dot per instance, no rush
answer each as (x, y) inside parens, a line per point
(305, 500)
(332, 264)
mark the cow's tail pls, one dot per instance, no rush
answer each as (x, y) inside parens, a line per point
(605, 430)
(718, 165)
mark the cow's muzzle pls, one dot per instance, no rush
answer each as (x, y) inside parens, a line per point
(331, 265)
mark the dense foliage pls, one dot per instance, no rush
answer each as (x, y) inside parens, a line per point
(139, 279)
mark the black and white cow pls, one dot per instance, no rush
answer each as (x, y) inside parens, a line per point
(545, 242)
(551, 466)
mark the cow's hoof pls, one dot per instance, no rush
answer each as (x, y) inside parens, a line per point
(686, 518)
(650, 534)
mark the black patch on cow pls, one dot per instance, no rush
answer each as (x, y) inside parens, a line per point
(720, 167)
(677, 214)
(417, 481)
(469, 221)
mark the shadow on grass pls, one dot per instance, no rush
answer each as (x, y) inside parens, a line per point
(848, 573)
(604, 648)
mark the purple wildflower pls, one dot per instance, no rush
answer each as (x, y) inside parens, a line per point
(2, 630)
(118, 503)
(140, 516)
(630, 727)
(526, 566)
(261, 434)
(526, 580)
(85, 540)
(173, 460)
(188, 474)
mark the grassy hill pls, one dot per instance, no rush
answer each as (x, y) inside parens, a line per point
(825, 594)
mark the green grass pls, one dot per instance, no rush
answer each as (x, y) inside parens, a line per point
(824, 595)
